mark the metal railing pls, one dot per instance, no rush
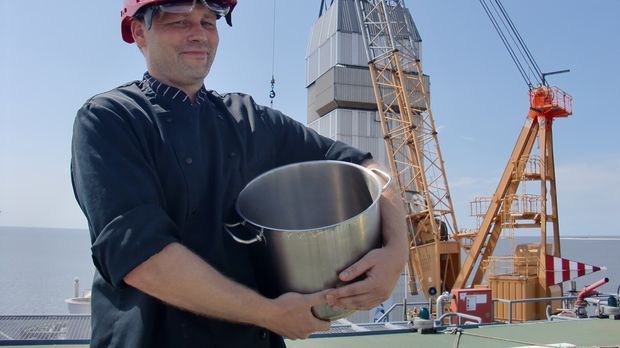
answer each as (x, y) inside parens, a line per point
(549, 97)
(386, 315)
(529, 300)
(565, 299)
(511, 265)
(473, 319)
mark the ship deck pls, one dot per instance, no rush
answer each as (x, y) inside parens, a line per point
(72, 331)
(590, 332)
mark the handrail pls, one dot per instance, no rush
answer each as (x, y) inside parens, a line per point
(527, 300)
(399, 304)
(439, 320)
(386, 315)
(541, 299)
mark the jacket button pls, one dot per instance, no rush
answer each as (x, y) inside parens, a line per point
(169, 119)
(232, 154)
(263, 334)
(189, 160)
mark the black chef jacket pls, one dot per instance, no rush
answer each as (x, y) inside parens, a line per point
(150, 168)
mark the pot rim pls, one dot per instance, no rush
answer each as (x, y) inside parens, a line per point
(316, 229)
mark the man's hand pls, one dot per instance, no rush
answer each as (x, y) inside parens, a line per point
(177, 276)
(382, 271)
(290, 315)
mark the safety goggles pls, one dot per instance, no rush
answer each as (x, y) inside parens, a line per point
(182, 7)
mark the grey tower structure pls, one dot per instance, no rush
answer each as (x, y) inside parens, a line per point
(341, 99)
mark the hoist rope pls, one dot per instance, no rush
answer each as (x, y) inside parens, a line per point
(520, 39)
(272, 92)
(516, 46)
(514, 35)
(511, 52)
(518, 50)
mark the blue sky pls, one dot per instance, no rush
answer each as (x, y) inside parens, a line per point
(55, 56)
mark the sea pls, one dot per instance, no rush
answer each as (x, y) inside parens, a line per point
(38, 265)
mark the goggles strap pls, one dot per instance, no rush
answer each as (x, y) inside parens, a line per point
(148, 16)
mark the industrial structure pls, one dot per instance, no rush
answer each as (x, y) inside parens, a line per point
(385, 104)
(523, 274)
(366, 87)
(341, 97)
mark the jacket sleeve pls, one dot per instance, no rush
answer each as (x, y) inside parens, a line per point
(117, 188)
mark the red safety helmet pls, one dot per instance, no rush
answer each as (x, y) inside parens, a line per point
(131, 7)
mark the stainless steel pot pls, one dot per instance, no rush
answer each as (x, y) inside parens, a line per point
(312, 219)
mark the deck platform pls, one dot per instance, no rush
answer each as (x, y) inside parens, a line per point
(73, 331)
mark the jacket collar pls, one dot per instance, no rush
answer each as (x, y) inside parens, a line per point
(170, 94)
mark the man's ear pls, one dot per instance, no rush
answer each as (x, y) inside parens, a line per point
(138, 30)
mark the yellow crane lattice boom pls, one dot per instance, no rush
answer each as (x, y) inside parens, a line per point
(403, 103)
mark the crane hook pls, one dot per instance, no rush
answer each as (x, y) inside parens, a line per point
(272, 93)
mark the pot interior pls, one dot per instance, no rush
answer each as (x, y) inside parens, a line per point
(308, 195)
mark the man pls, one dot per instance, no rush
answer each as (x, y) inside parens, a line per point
(156, 167)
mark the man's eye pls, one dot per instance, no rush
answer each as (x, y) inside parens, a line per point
(179, 23)
(207, 24)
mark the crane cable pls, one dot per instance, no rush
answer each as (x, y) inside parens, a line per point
(272, 92)
(513, 33)
(520, 39)
(505, 42)
(521, 55)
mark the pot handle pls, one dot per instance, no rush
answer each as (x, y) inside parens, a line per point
(384, 175)
(259, 237)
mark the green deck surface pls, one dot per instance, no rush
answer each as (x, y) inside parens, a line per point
(582, 333)
(586, 333)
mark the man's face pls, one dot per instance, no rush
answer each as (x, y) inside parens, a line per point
(179, 48)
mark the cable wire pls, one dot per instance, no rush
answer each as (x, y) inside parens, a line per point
(522, 42)
(272, 92)
(524, 60)
(506, 43)
(513, 41)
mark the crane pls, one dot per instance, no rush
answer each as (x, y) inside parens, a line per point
(414, 156)
(401, 98)
(508, 210)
